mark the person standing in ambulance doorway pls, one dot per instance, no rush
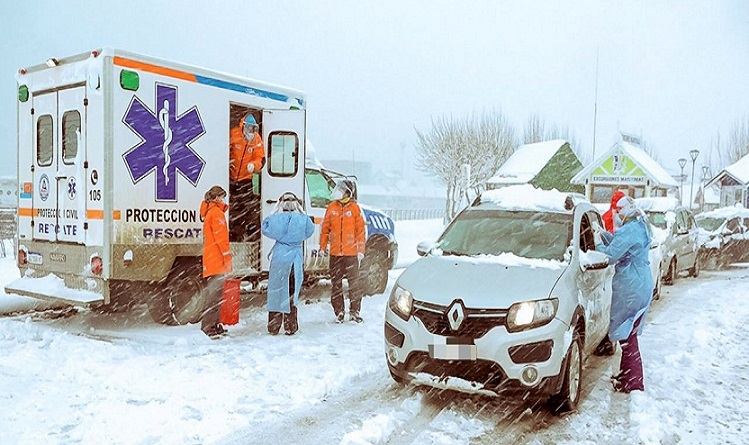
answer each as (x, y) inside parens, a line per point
(216, 258)
(343, 229)
(289, 226)
(246, 158)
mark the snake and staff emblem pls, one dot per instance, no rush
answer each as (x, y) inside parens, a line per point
(164, 121)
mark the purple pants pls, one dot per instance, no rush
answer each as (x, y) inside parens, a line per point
(630, 376)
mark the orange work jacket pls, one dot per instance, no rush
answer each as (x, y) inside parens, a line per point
(243, 153)
(216, 253)
(343, 228)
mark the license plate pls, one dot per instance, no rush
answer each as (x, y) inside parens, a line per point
(57, 257)
(453, 352)
(35, 258)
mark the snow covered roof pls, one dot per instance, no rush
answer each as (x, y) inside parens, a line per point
(651, 168)
(525, 197)
(659, 204)
(526, 162)
(739, 169)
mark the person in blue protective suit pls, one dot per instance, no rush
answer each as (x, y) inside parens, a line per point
(632, 290)
(289, 226)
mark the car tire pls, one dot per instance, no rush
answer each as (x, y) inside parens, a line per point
(373, 274)
(398, 379)
(569, 396)
(670, 277)
(694, 271)
(181, 299)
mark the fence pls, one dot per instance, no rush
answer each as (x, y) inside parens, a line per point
(405, 214)
(7, 231)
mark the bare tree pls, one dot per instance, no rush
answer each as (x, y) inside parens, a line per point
(536, 130)
(482, 142)
(738, 141)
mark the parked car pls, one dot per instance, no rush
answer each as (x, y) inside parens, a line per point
(676, 230)
(723, 236)
(655, 256)
(512, 296)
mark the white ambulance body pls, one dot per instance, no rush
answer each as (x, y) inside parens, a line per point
(115, 153)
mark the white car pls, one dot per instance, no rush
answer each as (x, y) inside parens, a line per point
(676, 230)
(512, 296)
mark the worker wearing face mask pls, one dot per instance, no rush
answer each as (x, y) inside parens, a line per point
(343, 231)
(216, 257)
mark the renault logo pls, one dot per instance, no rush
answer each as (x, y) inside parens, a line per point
(456, 315)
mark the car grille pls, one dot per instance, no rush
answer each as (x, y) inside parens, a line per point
(476, 324)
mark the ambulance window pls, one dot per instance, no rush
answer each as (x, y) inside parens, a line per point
(44, 139)
(71, 130)
(284, 147)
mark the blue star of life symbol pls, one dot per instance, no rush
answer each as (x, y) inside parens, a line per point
(165, 142)
(71, 188)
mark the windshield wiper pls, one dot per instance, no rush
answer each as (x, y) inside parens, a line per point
(453, 253)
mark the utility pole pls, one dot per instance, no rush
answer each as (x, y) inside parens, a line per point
(595, 108)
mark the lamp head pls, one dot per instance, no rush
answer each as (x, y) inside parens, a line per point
(693, 154)
(682, 162)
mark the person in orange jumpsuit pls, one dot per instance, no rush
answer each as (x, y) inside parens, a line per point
(216, 258)
(343, 229)
(246, 158)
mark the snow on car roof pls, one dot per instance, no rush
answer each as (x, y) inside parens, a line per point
(725, 212)
(527, 198)
(659, 204)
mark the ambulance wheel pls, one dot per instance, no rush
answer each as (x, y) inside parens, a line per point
(373, 274)
(185, 292)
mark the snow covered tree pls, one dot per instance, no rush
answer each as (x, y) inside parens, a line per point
(482, 142)
(738, 141)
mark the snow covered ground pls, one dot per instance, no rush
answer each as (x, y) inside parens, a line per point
(83, 377)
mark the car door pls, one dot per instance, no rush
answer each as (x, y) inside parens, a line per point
(681, 237)
(691, 239)
(594, 285)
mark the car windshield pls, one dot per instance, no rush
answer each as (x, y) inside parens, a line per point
(493, 232)
(710, 224)
(657, 219)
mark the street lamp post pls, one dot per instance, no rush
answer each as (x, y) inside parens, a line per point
(682, 163)
(692, 154)
(705, 172)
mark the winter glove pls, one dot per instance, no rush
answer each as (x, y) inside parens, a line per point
(251, 167)
(359, 256)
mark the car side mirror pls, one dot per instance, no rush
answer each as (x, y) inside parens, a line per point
(593, 260)
(423, 248)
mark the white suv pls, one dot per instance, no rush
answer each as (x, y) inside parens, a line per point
(512, 296)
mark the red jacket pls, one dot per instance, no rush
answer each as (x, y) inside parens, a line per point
(343, 227)
(216, 253)
(608, 216)
(243, 153)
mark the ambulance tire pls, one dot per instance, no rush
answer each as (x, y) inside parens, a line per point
(180, 298)
(122, 297)
(186, 291)
(373, 274)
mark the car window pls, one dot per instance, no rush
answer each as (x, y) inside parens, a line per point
(733, 225)
(587, 240)
(493, 232)
(657, 219)
(691, 224)
(709, 224)
(319, 188)
(681, 224)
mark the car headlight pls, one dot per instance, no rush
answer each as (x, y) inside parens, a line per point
(531, 314)
(401, 302)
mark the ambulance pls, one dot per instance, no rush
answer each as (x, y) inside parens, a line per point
(115, 153)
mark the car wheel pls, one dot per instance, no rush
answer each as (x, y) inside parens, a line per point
(694, 271)
(670, 277)
(567, 399)
(373, 274)
(398, 379)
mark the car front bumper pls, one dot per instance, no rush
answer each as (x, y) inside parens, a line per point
(498, 361)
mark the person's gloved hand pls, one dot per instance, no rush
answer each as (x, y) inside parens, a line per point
(598, 230)
(359, 256)
(251, 167)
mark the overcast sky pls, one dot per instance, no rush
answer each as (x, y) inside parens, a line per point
(675, 71)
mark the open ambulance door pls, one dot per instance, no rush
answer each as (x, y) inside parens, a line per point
(284, 136)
